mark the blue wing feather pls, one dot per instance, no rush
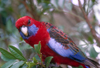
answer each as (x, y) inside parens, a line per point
(62, 44)
(59, 49)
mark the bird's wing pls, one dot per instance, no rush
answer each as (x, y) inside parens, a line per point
(62, 44)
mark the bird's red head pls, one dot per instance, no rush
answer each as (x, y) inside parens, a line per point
(26, 20)
(31, 29)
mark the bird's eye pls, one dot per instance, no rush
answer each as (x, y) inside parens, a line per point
(28, 22)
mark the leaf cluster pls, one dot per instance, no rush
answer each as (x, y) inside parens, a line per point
(15, 59)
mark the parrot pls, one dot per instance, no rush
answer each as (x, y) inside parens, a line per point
(54, 43)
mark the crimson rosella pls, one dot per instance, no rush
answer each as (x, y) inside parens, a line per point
(53, 43)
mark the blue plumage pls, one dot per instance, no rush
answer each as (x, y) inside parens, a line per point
(32, 30)
(58, 48)
(65, 52)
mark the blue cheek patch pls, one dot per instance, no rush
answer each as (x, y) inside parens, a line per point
(32, 30)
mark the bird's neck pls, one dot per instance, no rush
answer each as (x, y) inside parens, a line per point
(42, 36)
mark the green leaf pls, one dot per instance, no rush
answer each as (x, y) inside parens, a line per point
(34, 60)
(4, 58)
(80, 66)
(21, 38)
(35, 66)
(48, 60)
(9, 26)
(38, 48)
(16, 53)
(8, 64)
(24, 66)
(46, 1)
(6, 54)
(93, 53)
(30, 64)
(37, 58)
(93, 1)
(18, 64)
(25, 47)
(90, 39)
(43, 1)
(39, 1)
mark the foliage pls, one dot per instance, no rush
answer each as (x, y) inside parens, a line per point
(15, 58)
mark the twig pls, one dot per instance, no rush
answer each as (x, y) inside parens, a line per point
(88, 22)
(88, 7)
(41, 60)
(84, 4)
(31, 5)
(33, 9)
(27, 9)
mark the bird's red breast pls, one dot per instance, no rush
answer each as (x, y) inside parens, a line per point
(53, 42)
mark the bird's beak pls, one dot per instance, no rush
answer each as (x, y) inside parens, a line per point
(24, 30)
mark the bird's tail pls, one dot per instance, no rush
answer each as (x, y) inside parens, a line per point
(92, 63)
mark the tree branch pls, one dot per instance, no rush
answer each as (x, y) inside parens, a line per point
(32, 11)
(84, 4)
(88, 22)
(27, 9)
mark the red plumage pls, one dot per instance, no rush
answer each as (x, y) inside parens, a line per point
(44, 36)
